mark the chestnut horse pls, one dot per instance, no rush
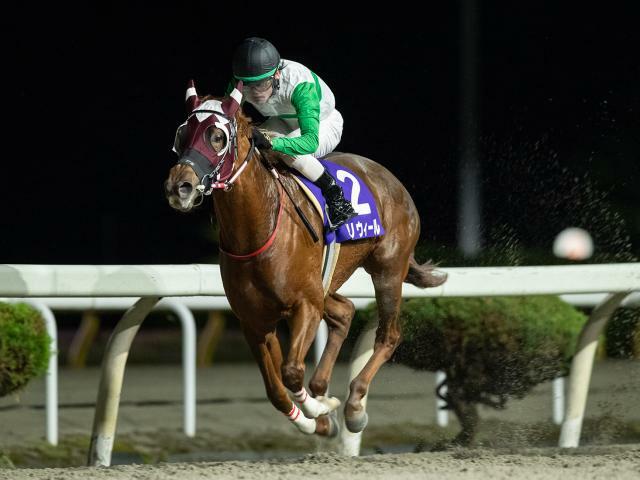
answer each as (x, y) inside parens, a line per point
(271, 267)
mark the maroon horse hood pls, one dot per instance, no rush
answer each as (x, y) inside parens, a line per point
(191, 142)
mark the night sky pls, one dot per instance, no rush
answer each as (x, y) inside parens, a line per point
(92, 98)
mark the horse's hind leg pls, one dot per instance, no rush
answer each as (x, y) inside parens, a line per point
(338, 313)
(388, 287)
(268, 355)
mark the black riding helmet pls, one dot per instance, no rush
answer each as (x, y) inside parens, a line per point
(255, 59)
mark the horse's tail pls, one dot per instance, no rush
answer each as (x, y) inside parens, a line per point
(425, 275)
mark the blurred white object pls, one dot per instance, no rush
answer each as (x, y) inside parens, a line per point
(573, 243)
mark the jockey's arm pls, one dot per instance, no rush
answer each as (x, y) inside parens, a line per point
(306, 101)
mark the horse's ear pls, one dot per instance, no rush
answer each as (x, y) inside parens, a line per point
(192, 97)
(231, 104)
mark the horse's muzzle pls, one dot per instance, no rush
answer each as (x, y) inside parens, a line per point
(184, 190)
(181, 195)
(181, 189)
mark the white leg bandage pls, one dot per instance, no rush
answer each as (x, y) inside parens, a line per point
(314, 407)
(304, 424)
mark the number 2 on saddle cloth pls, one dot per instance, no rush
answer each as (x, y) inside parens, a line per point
(366, 224)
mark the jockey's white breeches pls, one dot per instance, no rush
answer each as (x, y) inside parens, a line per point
(328, 138)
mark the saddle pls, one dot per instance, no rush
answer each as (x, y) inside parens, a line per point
(366, 224)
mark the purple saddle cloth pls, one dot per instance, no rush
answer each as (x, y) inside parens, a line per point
(367, 224)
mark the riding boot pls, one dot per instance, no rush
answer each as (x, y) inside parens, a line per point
(339, 210)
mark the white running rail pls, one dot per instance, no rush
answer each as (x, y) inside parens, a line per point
(154, 281)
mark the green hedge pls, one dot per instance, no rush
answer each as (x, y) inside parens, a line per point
(435, 331)
(491, 349)
(24, 346)
(509, 343)
(622, 335)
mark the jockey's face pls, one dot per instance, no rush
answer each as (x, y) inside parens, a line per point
(260, 92)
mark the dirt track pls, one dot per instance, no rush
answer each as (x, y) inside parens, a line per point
(235, 422)
(612, 463)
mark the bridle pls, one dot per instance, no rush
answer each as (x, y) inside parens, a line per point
(215, 170)
(210, 174)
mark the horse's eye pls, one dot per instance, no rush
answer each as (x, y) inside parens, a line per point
(216, 139)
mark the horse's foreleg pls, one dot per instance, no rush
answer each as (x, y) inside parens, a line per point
(338, 313)
(268, 355)
(388, 297)
(303, 325)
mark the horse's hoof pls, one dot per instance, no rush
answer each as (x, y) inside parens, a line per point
(357, 422)
(334, 425)
(332, 403)
(439, 277)
(327, 425)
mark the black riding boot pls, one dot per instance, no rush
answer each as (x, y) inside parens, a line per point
(339, 210)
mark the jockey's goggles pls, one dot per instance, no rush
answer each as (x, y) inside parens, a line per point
(260, 85)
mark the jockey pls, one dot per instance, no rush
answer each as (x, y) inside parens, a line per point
(299, 106)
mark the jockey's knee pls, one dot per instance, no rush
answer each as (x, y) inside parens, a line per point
(308, 165)
(293, 376)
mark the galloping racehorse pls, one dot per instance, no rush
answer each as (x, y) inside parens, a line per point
(271, 266)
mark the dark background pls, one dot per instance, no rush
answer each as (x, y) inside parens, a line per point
(93, 96)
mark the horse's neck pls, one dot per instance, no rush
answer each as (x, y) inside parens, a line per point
(247, 213)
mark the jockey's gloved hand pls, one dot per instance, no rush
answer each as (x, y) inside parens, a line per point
(260, 140)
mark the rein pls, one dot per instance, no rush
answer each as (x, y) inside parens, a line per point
(303, 217)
